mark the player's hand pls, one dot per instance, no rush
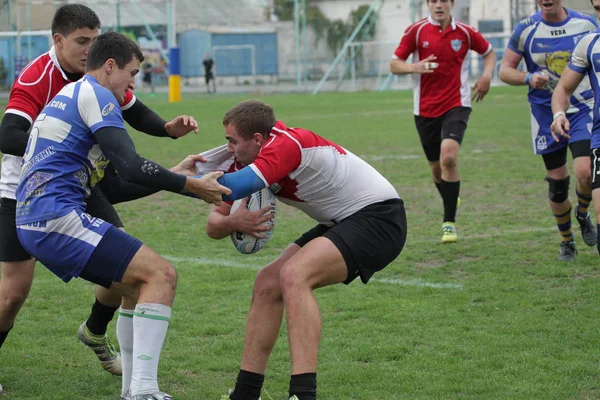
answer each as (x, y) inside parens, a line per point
(426, 66)
(251, 222)
(538, 80)
(560, 128)
(207, 188)
(187, 166)
(181, 126)
(481, 88)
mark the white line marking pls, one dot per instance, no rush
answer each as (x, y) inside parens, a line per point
(233, 264)
(418, 283)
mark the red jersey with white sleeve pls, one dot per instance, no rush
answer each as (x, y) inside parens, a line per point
(447, 87)
(33, 89)
(317, 176)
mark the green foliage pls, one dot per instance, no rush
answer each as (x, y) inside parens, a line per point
(130, 35)
(337, 31)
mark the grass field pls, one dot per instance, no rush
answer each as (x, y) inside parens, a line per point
(494, 316)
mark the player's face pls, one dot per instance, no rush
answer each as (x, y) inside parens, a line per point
(72, 49)
(596, 5)
(440, 9)
(122, 79)
(245, 151)
(550, 7)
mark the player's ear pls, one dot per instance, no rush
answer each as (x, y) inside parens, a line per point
(58, 40)
(109, 65)
(258, 138)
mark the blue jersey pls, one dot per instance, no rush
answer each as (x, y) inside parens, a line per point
(63, 159)
(546, 48)
(586, 60)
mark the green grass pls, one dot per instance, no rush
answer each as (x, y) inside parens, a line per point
(494, 316)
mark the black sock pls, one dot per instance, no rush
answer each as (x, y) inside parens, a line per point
(99, 318)
(438, 186)
(449, 191)
(304, 386)
(3, 336)
(248, 386)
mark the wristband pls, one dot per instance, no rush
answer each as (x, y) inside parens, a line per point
(558, 114)
(528, 78)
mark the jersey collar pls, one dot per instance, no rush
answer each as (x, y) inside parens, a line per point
(434, 22)
(54, 58)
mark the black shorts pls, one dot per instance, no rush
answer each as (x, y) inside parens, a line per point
(98, 206)
(147, 78)
(208, 77)
(369, 239)
(558, 158)
(10, 247)
(451, 125)
(595, 160)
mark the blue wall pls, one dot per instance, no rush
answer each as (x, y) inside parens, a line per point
(195, 44)
(8, 53)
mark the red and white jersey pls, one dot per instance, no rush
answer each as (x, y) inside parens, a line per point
(33, 89)
(317, 176)
(447, 87)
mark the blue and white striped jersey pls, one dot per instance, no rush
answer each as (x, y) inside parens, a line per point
(546, 48)
(63, 159)
(586, 60)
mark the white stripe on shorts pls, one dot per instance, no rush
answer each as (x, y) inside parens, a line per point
(68, 225)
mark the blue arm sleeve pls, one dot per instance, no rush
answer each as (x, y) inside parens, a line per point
(242, 184)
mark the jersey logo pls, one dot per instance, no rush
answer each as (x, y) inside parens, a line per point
(456, 44)
(425, 45)
(275, 188)
(558, 32)
(107, 109)
(558, 61)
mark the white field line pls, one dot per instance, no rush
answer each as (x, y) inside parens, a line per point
(254, 266)
(373, 157)
(366, 113)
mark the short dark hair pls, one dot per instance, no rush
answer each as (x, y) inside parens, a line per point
(250, 117)
(70, 17)
(112, 45)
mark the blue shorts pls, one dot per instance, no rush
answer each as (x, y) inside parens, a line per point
(79, 245)
(544, 143)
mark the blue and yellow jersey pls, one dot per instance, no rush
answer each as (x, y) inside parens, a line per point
(546, 48)
(63, 159)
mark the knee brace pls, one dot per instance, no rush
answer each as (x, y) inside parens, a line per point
(558, 190)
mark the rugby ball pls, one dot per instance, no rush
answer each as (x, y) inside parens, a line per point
(248, 244)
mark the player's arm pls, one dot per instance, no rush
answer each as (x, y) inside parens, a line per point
(143, 119)
(511, 75)
(567, 85)
(117, 145)
(401, 67)
(14, 134)
(482, 86)
(571, 77)
(117, 190)
(221, 221)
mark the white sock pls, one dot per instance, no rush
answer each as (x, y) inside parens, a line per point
(125, 337)
(150, 323)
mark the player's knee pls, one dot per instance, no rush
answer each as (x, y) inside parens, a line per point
(558, 189)
(291, 279)
(266, 286)
(12, 301)
(448, 160)
(164, 274)
(583, 173)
